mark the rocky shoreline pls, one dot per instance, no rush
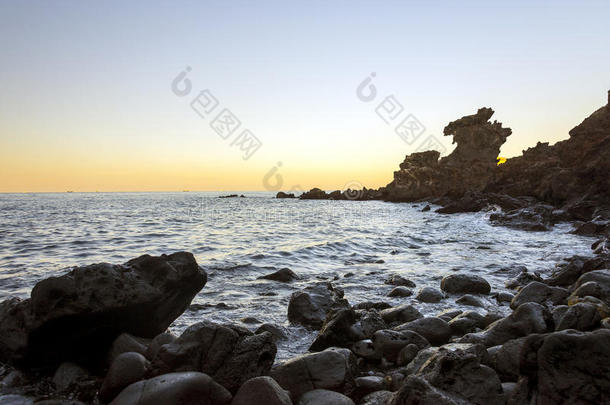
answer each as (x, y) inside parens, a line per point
(98, 334)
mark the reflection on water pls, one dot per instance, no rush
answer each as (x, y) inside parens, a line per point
(239, 239)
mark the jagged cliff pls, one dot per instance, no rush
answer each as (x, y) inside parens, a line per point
(468, 168)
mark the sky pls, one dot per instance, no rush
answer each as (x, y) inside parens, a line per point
(88, 100)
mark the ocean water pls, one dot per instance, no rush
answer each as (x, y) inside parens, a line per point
(356, 244)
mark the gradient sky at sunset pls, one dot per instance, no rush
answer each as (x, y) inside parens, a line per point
(86, 101)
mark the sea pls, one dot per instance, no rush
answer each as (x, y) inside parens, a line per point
(356, 245)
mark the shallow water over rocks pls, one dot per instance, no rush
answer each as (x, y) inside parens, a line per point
(357, 245)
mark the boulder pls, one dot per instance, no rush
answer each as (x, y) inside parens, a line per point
(400, 292)
(261, 390)
(568, 367)
(470, 300)
(465, 284)
(388, 343)
(581, 316)
(595, 283)
(284, 275)
(324, 397)
(126, 369)
(77, 316)
(125, 343)
(540, 293)
(158, 341)
(433, 329)
(527, 319)
(534, 218)
(466, 322)
(429, 295)
(505, 359)
(402, 313)
(185, 388)
(399, 280)
(281, 194)
(522, 279)
(332, 369)
(68, 375)
(310, 306)
(229, 354)
(377, 398)
(337, 331)
(451, 374)
(314, 194)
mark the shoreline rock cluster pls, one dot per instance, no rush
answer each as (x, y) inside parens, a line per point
(567, 181)
(552, 348)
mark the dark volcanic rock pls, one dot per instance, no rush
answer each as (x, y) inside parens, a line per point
(77, 316)
(435, 330)
(539, 293)
(284, 275)
(261, 390)
(228, 353)
(534, 218)
(568, 367)
(572, 171)
(465, 284)
(188, 388)
(467, 168)
(281, 194)
(310, 306)
(314, 194)
(333, 369)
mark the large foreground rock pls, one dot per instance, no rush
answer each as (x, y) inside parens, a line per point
(527, 319)
(332, 369)
(261, 390)
(465, 284)
(188, 388)
(568, 367)
(78, 315)
(228, 353)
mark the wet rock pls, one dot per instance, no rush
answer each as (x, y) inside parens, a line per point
(581, 316)
(505, 359)
(284, 275)
(470, 300)
(309, 307)
(125, 343)
(77, 316)
(434, 330)
(448, 314)
(338, 331)
(388, 343)
(402, 313)
(261, 390)
(281, 194)
(540, 293)
(569, 272)
(369, 322)
(158, 341)
(324, 397)
(558, 312)
(372, 305)
(504, 297)
(332, 369)
(534, 218)
(68, 375)
(184, 388)
(451, 374)
(376, 398)
(398, 280)
(426, 208)
(527, 319)
(523, 279)
(429, 295)
(126, 369)
(366, 385)
(277, 332)
(594, 284)
(400, 292)
(465, 284)
(365, 349)
(466, 322)
(229, 354)
(570, 367)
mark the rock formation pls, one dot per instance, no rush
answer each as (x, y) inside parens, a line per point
(77, 316)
